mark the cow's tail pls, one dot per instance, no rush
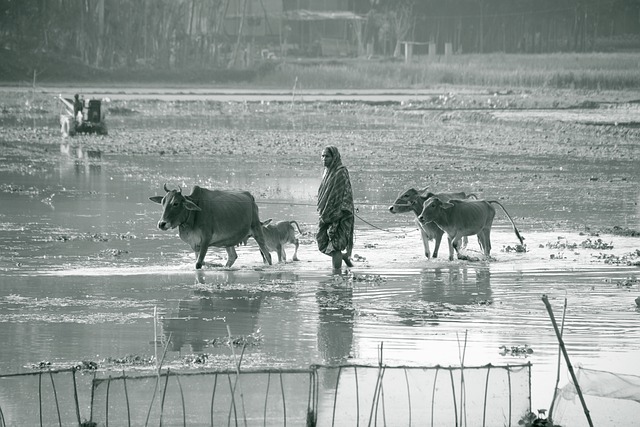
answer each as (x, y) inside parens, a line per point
(515, 229)
(297, 226)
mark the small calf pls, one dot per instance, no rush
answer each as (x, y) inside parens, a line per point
(278, 234)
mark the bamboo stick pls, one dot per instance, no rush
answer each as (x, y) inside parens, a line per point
(75, 396)
(555, 390)
(284, 405)
(55, 396)
(545, 300)
(126, 397)
(406, 379)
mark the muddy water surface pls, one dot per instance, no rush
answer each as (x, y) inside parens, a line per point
(84, 271)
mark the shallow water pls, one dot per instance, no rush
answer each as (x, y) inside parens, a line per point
(83, 269)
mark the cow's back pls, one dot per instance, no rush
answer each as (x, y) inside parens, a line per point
(470, 216)
(226, 216)
(431, 230)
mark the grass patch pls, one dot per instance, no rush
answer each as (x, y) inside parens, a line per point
(588, 71)
(613, 71)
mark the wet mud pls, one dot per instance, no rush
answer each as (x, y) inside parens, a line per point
(86, 276)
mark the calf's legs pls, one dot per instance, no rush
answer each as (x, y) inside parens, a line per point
(282, 255)
(484, 239)
(296, 243)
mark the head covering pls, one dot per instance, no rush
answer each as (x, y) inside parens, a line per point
(336, 160)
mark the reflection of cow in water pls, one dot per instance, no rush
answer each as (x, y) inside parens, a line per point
(447, 290)
(457, 285)
(205, 315)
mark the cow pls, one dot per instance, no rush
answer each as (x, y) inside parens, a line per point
(413, 200)
(212, 218)
(460, 218)
(278, 234)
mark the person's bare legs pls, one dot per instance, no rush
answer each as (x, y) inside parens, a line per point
(347, 260)
(336, 258)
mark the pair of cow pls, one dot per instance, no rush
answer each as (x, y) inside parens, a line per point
(451, 213)
(226, 218)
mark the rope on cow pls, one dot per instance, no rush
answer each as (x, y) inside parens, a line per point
(355, 213)
(266, 202)
(372, 225)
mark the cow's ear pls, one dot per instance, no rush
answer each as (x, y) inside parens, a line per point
(267, 221)
(156, 199)
(427, 195)
(447, 205)
(188, 204)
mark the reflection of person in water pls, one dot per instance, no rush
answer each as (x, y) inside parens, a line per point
(455, 285)
(335, 329)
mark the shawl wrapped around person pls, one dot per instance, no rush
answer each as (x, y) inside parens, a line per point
(335, 207)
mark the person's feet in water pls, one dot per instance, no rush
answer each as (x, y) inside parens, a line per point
(347, 260)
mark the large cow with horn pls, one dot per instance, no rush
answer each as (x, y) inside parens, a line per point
(212, 218)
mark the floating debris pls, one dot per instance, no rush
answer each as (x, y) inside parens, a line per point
(516, 248)
(561, 243)
(113, 252)
(518, 351)
(620, 231)
(131, 360)
(251, 340)
(628, 282)
(631, 258)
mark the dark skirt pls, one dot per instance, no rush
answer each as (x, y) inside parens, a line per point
(335, 236)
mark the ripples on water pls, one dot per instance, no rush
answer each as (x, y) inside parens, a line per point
(83, 269)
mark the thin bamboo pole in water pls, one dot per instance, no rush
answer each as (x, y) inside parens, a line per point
(545, 300)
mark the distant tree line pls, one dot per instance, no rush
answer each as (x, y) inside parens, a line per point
(168, 33)
(531, 26)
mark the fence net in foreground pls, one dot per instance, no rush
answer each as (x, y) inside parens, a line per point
(319, 396)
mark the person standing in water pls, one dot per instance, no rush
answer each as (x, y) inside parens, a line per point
(335, 210)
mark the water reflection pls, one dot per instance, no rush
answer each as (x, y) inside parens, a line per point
(86, 161)
(230, 303)
(456, 284)
(336, 317)
(205, 315)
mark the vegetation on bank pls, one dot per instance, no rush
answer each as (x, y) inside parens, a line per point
(584, 71)
(595, 71)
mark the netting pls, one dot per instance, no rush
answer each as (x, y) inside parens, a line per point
(598, 389)
(433, 396)
(43, 398)
(318, 396)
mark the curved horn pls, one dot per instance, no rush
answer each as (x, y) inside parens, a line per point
(166, 190)
(179, 189)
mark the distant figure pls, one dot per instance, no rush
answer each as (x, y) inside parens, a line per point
(77, 107)
(336, 210)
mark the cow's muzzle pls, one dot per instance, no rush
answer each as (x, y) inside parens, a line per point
(162, 225)
(423, 220)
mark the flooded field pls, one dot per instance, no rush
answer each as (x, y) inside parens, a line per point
(84, 270)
